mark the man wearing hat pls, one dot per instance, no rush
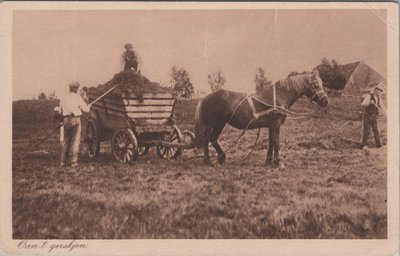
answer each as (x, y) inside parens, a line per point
(372, 104)
(131, 58)
(72, 106)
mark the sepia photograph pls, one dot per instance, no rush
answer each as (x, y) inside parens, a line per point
(200, 122)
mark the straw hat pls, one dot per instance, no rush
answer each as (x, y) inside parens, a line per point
(380, 86)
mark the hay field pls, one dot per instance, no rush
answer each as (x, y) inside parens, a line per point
(329, 189)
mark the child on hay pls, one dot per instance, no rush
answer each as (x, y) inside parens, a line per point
(372, 103)
(131, 59)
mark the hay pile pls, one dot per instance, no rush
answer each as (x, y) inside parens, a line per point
(131, 84)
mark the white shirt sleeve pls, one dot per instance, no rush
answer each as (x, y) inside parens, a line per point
(83, 106)
(139, 60)
(61, 106)
(366, 100)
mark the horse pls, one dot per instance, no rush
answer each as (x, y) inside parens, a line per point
(264, 109)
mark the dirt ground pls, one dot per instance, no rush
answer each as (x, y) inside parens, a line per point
(329, 189)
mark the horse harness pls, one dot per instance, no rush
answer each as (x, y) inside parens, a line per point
(319, 94)
(256, 114)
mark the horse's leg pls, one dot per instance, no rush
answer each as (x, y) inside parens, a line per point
(207, 133)
(206, 159)
(214, 140)
(277, 128)
(270, 145)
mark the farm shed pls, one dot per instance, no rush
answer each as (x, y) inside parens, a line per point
(359, 76)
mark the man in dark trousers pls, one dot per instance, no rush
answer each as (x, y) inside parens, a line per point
(372, 105)
(131, 59)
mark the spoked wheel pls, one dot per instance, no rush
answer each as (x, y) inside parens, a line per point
(124, 146)
(91, 139)
(142, 151)
(171, 152)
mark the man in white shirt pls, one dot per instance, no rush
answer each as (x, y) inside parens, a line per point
(72, 106)
(372, 103)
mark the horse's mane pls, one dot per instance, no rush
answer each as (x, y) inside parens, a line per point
(295, 82)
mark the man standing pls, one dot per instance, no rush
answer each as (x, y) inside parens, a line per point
(72, 106)
(372, 104)
(131, 59)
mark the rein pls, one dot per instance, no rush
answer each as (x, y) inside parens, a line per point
(230, 119)
(256, 115)
(262, 113)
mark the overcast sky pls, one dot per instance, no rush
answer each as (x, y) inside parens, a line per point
(52, 48)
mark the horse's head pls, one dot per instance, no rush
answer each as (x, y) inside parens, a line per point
(316, 90)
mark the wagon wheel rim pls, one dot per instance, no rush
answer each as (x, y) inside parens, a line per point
(124, 146)
(92, 143)
(171, 152)
(188, 137)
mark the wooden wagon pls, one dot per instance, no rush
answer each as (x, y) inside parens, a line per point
(134, 125)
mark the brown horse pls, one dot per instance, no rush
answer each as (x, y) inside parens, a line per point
(254, 111)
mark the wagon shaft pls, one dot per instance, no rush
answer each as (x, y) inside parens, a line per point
(152, 136)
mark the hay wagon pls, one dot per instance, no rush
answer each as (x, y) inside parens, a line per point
(133, 125)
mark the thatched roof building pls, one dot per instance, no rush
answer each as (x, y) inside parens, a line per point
(359, 77)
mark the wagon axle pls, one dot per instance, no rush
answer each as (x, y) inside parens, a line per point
(126, 148)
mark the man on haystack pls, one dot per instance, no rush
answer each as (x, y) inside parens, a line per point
(71, 107)
(131, 59)
(372, 103)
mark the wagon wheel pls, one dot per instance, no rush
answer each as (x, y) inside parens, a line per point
(91, 139)
(171, 152)
(124, 145)
(142, 151)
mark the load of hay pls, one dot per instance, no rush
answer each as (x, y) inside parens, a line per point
(131, 84)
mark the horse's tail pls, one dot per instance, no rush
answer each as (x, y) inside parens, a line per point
(199, 127)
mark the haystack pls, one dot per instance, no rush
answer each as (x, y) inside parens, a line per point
(131, 84)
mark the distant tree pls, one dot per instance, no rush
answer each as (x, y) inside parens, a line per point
(335, 65)
(216, 81)
(42, 96)
(261, 80)
(180, 82)
(200, 93)
(331, 74)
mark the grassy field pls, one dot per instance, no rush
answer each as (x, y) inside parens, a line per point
(329, 189)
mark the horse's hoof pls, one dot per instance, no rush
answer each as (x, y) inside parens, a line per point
(268, 162)
(221, 159)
